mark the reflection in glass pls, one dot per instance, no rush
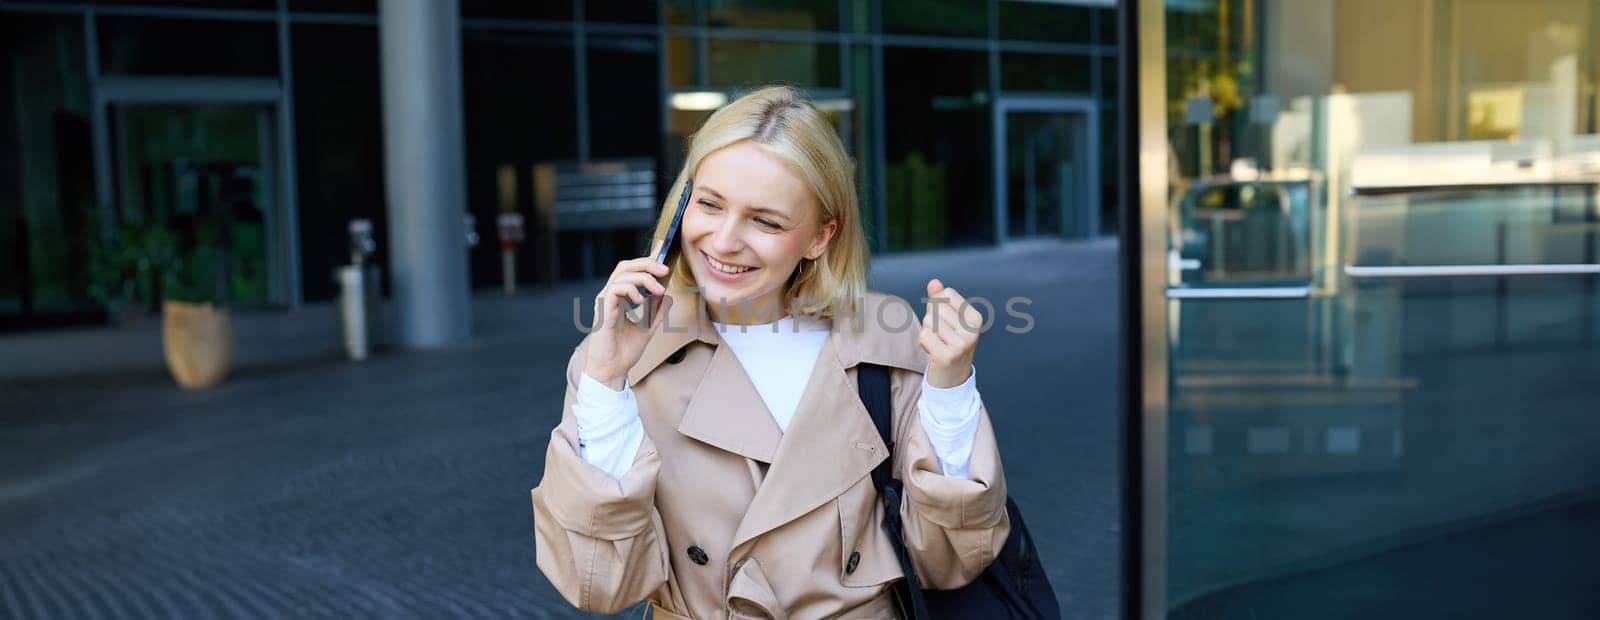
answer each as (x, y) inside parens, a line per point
(515, 128)
(622, 122)
(334, 6)
(774, 14)
(1383, 270)
(683, 66)
(744, 63)
(937, 148)
(961, 18)
(1045, 72)
(1046, 173)
(552, 11)
(46, 174)
(146, 46)
(622, 11)
(1046, 21)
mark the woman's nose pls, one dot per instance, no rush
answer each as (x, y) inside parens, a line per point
(726, 239)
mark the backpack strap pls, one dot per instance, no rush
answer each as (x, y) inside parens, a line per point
(872, 381)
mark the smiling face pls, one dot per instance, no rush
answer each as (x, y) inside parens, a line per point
(750, 222)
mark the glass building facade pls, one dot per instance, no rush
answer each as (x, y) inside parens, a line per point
(1369, 231)
(973, 123)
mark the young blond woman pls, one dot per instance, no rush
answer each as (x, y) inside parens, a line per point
(717, 462)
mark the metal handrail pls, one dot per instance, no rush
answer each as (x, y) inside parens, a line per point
(1451, 271)
(1259, 292)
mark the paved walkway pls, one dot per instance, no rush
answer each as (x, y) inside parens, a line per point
(307, 486)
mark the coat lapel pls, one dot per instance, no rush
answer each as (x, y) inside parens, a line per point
(830, 445)
(831, 442)
(726, 411)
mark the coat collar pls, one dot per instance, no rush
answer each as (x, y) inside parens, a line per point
(882, 331)
(831, 442)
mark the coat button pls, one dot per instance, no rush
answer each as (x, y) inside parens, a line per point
(698, 555)
(677, 356)
(850, 567)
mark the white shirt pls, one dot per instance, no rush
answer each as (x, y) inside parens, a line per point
(609, 430)
(772, 358)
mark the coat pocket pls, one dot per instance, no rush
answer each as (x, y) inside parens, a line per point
(866, 554)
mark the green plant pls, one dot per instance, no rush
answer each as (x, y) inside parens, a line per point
(139, 263)
(196, 274)
(126, 266)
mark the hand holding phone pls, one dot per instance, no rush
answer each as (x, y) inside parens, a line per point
(668, 248)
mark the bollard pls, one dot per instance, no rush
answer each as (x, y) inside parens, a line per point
(353, 311)
(509, 227)
(358, 293)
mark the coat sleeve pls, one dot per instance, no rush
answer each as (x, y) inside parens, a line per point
(953, 527)
(599, 539)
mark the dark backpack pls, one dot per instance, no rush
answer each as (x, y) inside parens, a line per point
(1013, 586)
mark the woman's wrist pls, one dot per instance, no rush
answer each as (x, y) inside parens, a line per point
(945, 377)
(614, 381)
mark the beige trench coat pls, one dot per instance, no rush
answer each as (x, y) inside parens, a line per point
(775, 516)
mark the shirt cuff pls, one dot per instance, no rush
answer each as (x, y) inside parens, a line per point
(609, 430)
(950, 418)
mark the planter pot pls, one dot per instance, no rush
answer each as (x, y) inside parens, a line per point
(198, 341)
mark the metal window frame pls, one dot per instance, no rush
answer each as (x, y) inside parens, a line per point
(1142, 177)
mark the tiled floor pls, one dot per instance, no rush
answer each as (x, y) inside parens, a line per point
(307, 486)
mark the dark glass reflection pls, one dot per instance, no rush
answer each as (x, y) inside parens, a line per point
(938, 140)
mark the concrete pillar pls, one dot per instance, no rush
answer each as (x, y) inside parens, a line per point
(424, 169)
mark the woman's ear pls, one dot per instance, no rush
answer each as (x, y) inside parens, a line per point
(819, 244)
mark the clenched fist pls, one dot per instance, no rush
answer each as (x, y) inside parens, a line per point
(949, 335)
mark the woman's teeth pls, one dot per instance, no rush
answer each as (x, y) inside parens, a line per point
(725, 268)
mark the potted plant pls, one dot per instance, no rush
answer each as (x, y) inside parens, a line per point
(196, 330)
(142, 262)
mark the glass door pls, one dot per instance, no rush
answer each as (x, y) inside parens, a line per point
(205, 172)
(1042, 174)
(1381, 305)
(1046, 168)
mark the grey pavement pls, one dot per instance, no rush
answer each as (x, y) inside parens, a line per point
(308, 486)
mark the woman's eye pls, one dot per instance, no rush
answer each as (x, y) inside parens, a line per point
(710, 207)
(768, 224)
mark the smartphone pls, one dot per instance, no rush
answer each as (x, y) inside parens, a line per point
(669, 245)
(669, 248)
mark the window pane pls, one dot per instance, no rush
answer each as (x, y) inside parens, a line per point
(776, 14)
(1409, 180)
(551, 11)
(624, 110)
(962, 18)
(938, 148)
(46, 171)
(1106, 23)
(681, 13)
(862, 141)
(683, 66)
(1045, 72)
(1042, 21)
(741, 63)
(521, 110)
(339, 147)
(262, 5)
(334, 6)
(622, 11)
(138, 45)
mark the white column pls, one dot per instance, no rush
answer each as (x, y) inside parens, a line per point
(424, 161)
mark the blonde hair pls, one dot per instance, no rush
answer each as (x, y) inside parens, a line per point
(784, 123)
